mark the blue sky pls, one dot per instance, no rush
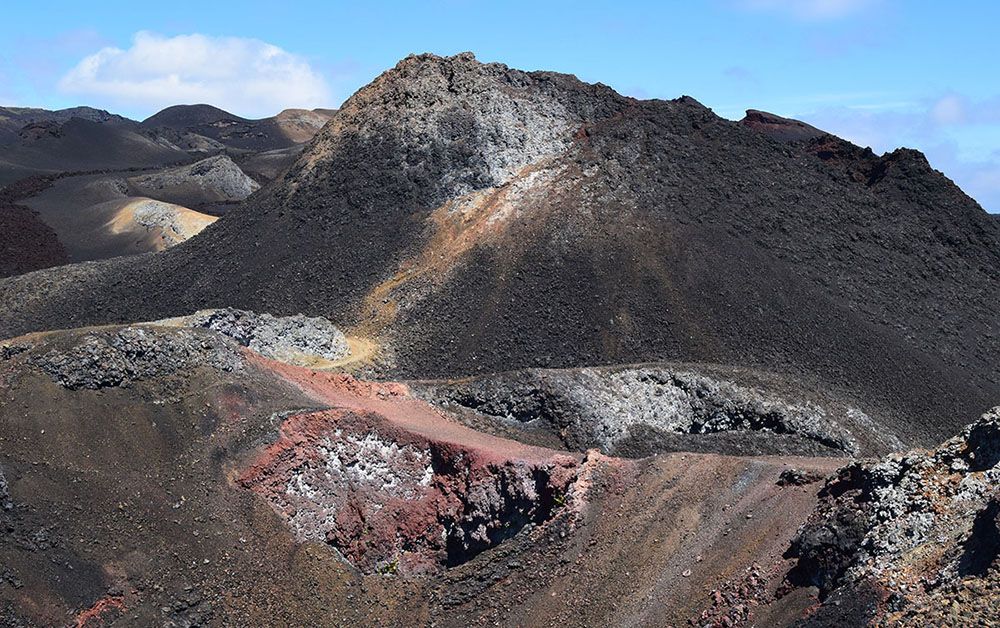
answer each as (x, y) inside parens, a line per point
(883, 73)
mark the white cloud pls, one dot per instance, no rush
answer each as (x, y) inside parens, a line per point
(812, 9)
(948, 110)
(245, 76)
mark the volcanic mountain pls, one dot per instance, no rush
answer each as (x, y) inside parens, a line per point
(470, 218)
(497, 348)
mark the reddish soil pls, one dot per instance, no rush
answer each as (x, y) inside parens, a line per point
(393, 401)
(101, 612)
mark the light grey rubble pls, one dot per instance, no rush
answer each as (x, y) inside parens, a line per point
(217, 176)
(287, 338)
(918, 518)
(5, 501)
(518, 118)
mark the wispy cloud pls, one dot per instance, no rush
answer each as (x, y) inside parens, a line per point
(820, 101)
(883, 106)
(740, 73)
(958, 110)
(637, 91)
(811, 10)
(246, 76)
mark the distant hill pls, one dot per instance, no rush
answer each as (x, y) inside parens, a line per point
(13, 119)
(79, 162)
(782, 129)
(180, 117)
(79, 144)
(289, 127)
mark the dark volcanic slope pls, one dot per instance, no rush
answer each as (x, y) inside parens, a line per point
(82, 145)
(13, 119)
(26, 243)
(476, 218)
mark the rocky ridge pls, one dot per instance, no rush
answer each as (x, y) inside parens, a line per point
(635, 411)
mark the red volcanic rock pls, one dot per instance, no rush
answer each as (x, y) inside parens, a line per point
(394, 401)
(781, 129)
(102, 612)
(394, 485)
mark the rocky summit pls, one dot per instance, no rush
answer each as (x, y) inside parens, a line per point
(491, 347)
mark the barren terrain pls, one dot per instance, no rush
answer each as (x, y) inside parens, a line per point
(490, 347)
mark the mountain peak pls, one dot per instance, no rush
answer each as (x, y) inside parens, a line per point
(423, 58)
(182, 116)
(478, 122)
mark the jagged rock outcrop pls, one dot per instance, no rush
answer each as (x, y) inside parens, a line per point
(392, 501)
(293, 339)
(104, 359)
(5, 501)
(911, 539)
(636, 411)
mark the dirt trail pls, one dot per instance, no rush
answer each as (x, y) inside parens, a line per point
(394, 402)
(363, 351)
